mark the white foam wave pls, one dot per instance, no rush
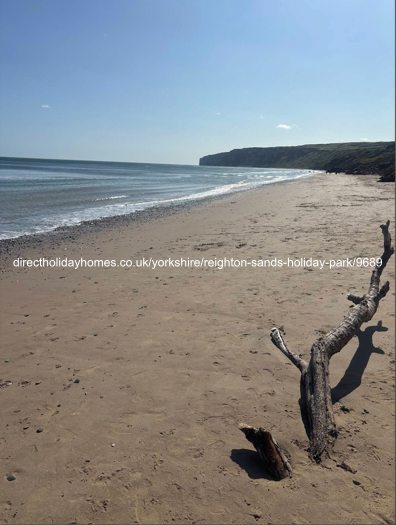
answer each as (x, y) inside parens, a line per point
(47, 224)
(112, 198)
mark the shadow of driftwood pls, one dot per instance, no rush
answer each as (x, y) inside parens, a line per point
(250, 461)
(352, 378)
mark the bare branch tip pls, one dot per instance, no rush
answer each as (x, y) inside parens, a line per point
(247, 430)
(355, 299)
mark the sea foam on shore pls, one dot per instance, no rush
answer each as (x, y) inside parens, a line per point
(41, 195)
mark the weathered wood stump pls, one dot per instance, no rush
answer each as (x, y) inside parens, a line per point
(269, 451)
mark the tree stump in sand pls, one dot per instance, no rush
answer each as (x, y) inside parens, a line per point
(269, 451)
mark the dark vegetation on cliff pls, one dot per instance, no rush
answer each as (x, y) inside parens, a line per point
(350, 157)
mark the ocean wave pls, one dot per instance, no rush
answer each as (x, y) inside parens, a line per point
(112, 198)
(106, 208)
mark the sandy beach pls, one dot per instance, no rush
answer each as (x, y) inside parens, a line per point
(121, 388)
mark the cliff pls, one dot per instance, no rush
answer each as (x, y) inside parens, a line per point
(349, 157)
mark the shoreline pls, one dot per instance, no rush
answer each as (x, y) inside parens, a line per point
(122, 388)
(156, 205)
(74, 232)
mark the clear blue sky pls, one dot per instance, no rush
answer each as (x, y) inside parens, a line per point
(173, 80)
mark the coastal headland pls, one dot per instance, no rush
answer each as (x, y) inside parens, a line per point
(364, 158)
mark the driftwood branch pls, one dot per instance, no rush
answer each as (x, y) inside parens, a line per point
(279, 341)
(365, 309)
(356, 299)
(315, 384)
(269, 451)
(322, 427)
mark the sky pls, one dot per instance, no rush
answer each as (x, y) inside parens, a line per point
(169, 81)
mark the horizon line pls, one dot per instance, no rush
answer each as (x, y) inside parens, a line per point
(207, 155)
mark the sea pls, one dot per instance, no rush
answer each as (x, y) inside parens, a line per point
(38, 195)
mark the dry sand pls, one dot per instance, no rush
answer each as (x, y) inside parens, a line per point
(170, 360)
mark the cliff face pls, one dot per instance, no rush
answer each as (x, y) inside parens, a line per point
(350, 157)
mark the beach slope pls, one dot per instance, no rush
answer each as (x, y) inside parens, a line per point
(122, 388)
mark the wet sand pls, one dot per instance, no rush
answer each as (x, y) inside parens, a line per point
(122, 388)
